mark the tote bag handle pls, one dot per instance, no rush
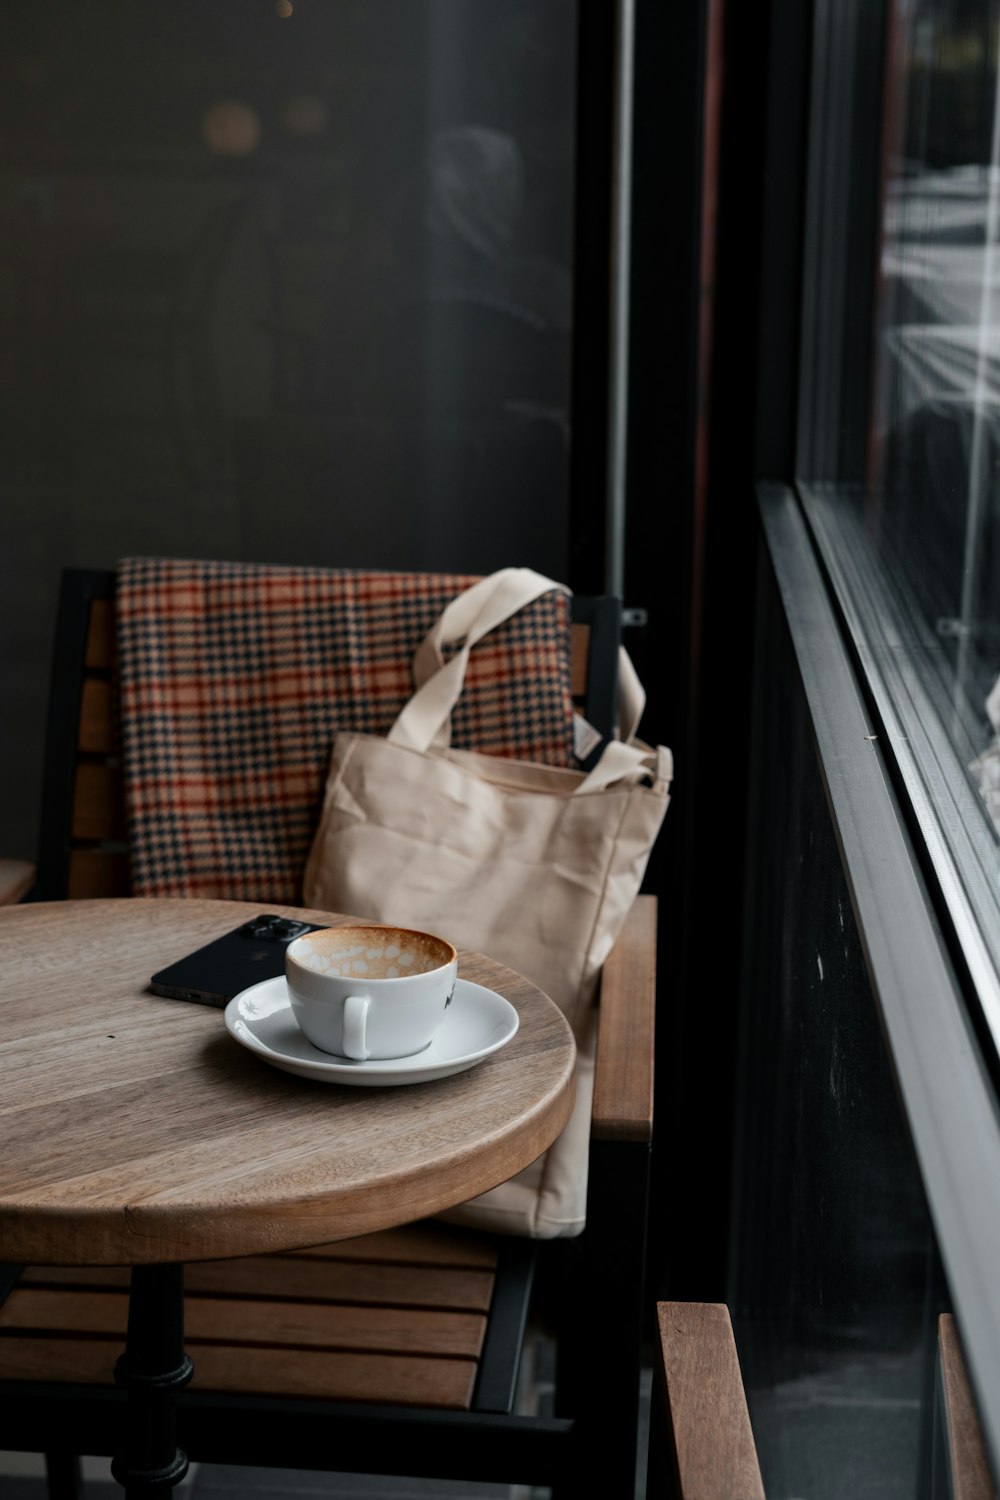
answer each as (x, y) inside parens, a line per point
(426, 719)
(487, 604)
(480, 608)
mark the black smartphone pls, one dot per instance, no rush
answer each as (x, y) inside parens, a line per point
(214, 974)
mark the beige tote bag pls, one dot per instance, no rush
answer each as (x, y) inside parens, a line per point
(532, 865)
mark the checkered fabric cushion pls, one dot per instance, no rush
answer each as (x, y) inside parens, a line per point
(234, 680)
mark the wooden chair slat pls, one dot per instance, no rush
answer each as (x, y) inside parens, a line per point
(94, 873)
(296, 1325)
(426, 1243)
(75, 1276)
(98, 730)
(100, 648)
(413, 1244)
(72, 1360)
(292, 1278)
(623, 1082)
(356, 1281)
(98, 803)
(444, 1383)
(579, 650)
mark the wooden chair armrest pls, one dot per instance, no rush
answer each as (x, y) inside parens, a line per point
(711, 1443)
(17, 877)
(970, 1472)
(623, 1078)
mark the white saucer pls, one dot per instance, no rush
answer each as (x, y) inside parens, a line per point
(477, 1022)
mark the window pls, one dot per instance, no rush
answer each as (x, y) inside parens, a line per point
(900, 457)
(935, 428)
(878, 712)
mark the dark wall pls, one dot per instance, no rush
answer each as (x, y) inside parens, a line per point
(286, 283)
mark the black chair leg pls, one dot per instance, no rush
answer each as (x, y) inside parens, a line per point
(64, 1475)
(605, 1392)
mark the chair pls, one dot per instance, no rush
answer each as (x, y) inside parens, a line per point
(701, 1443)
(426, 1309)
(959, 1451)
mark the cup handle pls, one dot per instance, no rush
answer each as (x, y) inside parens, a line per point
(355, 1016)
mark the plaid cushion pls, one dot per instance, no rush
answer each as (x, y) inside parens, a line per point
(234, 680)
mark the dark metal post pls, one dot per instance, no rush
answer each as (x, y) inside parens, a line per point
(602, 1355)
(64, 1476)
(152, 1369)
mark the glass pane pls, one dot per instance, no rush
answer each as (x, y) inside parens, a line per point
(834, 1282)
(936, 448)
(915, 553)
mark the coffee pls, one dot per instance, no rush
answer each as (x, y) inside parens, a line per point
(375, 953)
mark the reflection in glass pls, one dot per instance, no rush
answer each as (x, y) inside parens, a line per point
(834, 1283)
(936, 448)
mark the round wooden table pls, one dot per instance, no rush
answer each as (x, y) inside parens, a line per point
(138, 1132)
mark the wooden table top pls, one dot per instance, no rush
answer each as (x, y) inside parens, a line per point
(135, 1129)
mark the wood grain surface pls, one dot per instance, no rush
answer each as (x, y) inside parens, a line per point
(399, 1315)
(967, 1462)
(136, 1130)
(623, 1083)
(715, 1457)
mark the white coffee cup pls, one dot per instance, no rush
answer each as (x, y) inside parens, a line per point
(372, 991)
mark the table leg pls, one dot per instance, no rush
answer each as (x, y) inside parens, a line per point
(152, 1369)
